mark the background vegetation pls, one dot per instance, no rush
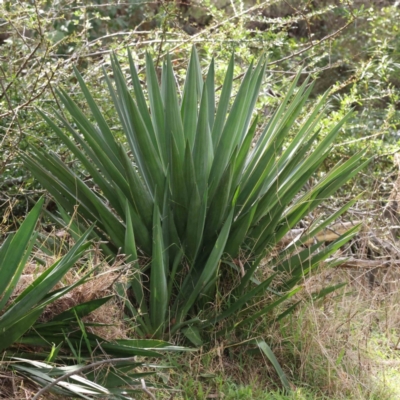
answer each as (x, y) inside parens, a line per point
(342, 346)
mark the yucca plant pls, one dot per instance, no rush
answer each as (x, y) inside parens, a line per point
(18, 313)
(65, 338)
(193, 183)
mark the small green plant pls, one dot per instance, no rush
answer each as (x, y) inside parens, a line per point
(65, 336)
(197, 185)
(20, 313)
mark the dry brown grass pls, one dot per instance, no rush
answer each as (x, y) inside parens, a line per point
(99, 285)
(346, 345)
(14, 387)
(348, 342)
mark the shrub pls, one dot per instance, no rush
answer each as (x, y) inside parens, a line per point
(196, 185)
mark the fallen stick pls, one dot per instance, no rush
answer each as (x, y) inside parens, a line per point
(327, 235)
(358, 263)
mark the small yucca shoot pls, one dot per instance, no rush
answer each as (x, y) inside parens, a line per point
(196, 187)
(65, 335)
(19, 313)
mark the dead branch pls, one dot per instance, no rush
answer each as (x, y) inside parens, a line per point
(367, 264)
(327, 235)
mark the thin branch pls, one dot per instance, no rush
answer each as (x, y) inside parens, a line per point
(327, 235)
(313, 44)
(298, 10)
(15, 117)
(20, 70)
(34, 97)
(163, 34)
(364, 264)
(38, 19)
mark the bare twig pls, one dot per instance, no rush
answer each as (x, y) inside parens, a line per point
(15, 117)
(20, 70)
(300, 11)
(29, 101)
(163, 34)
(38, 19)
